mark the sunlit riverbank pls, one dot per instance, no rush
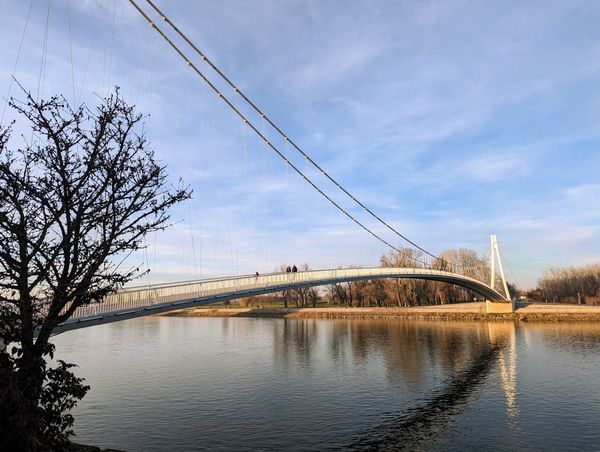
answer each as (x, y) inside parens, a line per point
(458, 312)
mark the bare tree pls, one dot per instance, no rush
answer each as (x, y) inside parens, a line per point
(74, 203)
(301, 294)
(375, 292)
(340, 294)
(359, 288)
(402, 291)
(411, 292)
(313, 296)
(571, 284)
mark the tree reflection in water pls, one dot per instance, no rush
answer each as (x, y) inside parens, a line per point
(294, 343)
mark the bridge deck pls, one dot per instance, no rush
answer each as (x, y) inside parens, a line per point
(153, 299)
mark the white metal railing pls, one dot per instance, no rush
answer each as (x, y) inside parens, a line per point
(141, 297)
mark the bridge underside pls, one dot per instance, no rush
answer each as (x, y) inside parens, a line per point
(247, 286)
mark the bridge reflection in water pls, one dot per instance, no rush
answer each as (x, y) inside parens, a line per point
(469, 352)
(411, 427)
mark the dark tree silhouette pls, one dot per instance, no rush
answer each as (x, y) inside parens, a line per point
(74, 203)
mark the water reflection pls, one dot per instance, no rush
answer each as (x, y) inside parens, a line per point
(507, 362)
(580, 338)
(413, 354)
(411, 427)
(273, 384)
(294, 342)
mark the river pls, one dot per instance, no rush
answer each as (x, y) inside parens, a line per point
(176, 383)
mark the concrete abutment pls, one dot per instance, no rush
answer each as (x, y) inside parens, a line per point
(493, 307)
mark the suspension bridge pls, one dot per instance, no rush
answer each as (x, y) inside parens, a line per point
(154, 299)
(158, 298)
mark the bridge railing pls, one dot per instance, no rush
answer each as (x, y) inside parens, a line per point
(157, 295)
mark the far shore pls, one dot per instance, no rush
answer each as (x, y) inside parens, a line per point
(463, 311)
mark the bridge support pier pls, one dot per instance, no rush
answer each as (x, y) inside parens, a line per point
(492, 307)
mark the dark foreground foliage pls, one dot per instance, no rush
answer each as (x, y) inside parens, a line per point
(75, 200)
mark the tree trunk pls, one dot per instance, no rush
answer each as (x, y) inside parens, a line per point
(30, 378)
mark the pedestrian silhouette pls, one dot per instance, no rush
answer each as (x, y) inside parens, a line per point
(294, 269)
(288, 269)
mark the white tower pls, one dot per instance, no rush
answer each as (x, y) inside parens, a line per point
(495, 254)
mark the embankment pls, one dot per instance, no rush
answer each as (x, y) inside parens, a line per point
(466, 311)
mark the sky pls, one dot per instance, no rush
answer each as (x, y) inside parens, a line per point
(452, 120)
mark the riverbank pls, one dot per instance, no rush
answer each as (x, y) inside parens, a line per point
(463, 311)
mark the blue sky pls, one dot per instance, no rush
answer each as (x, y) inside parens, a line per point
(452, 120)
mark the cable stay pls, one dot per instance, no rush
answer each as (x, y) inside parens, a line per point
(511, 272)
(12, 78)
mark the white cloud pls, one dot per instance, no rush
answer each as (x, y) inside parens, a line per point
(586, 191)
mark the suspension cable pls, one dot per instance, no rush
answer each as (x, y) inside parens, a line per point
(42, 74)
(280, 132)
(71, 49)
(257, 131)
(12, 78)
(285, 137)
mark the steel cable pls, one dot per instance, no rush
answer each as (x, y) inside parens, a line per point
(12, 78)
(285, 137)
(281, 133)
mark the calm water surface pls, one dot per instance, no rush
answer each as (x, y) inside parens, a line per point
(273, 384)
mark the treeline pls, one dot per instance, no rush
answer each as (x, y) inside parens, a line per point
(571, 284)
(394, 292)
(412, 292)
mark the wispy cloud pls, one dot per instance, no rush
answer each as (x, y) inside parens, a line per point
(451, 119)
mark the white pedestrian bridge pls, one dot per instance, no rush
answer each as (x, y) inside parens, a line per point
(157, 298)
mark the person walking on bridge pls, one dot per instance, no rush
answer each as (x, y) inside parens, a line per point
(294, 269)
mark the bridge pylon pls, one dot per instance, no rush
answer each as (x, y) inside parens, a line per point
(493, 307)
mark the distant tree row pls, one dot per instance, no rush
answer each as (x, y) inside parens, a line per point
(396, 292)
(565, 285)
(393, 291)
(412, 292)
